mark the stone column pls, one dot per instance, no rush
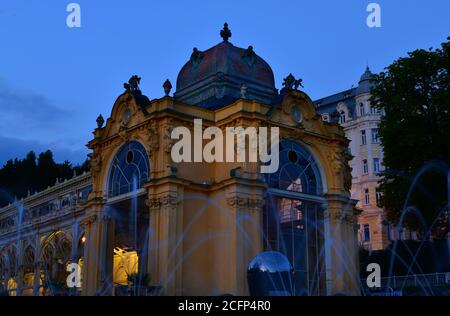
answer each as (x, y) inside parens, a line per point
(165, 244)
(246, 239)
(142, 270)
(37, 268)
(8, 275)
(19, 269)
(341, 247)
(74, 256)
(98, 254)
(106, 256)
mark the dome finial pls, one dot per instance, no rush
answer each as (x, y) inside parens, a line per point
(225, 33)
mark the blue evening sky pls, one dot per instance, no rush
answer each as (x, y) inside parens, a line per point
(54, 81)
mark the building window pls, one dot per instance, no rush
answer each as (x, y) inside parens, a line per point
(129, 169)
(361, 109)
(326, 117)
(376, 165)
(366, 232)
(342, 117)
(378, 196)
(291, 218)
(374, 135)
(366, 197)
(365, 167)
(363, 137)
(373, 110)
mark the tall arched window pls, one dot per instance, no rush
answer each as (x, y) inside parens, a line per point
(293, 218)
(130, 169)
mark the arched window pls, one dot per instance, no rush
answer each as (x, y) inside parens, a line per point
(342, 117)
(129, 169)
(293, 218)
(297, 170)
(361, 109)
(54, 256)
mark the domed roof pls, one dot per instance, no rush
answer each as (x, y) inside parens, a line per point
(223, 74)
(365, 82)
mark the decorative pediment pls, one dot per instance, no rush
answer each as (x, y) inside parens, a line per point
(128, 111)
(297, 110)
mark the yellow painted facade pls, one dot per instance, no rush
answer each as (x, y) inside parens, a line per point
(181, 257)
(191, 228)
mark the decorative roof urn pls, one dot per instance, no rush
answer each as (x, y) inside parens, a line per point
(100, 121)
(167, 87)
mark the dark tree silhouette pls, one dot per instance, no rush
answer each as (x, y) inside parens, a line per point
(19, 177)
(414, 93)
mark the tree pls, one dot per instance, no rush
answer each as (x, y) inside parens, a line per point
(414, 94)
(31, 174)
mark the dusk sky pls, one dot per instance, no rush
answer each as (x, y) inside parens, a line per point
(55, 80)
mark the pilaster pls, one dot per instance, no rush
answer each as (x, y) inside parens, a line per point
(341, 248)
(165, 253)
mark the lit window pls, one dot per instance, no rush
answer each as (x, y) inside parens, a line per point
(363, 137)
(366, 232)
(361, 109)
(365, 167)
(366, 197)
(342, 117)
(376, 165)
(374, 135)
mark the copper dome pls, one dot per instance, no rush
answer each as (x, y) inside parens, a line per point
(223, 74)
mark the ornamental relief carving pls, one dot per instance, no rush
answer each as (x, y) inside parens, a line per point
(244, 202)
(308, 124)
(153, 138)
(168, 141)
(162, 201)
(95, 162)
(340, 165)
(123, 133)
(88, 221)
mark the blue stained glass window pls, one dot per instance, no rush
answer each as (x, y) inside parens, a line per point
(293, 225)
(297, 171)
(130, 169)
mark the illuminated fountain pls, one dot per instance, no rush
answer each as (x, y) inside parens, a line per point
(413, 269)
